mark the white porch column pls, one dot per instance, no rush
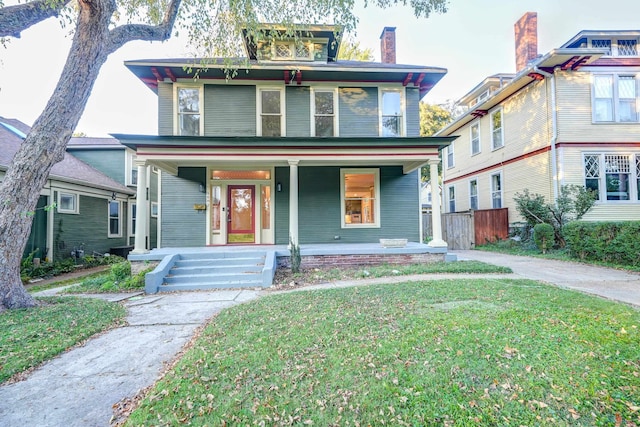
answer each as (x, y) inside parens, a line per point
(436, 220)
(293, 201)
(140, 243)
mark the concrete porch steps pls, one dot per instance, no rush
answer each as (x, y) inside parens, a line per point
(220, 270)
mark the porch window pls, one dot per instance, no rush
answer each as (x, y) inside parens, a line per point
(323, 110)
(265, 216)
(270, 107)
(189, 111)
(154, 209)
(391, 120)
(496, 191)
(216, 192)
(360, 195)
(475, 138)
(452, 199)
(132, 219)
(473, 194)
(497, 134)
(114, 219)
(68, 203)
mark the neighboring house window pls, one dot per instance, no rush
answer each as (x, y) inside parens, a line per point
(496, 191)
(627, 47)
(602, 44)
(154, 209)
(189, 111)
(475, 138)
(615, 98)
(452, 199)
(473, 194)
(68, 202)
(323, 109)
(613, 176)
(360, 194)
(450, 158)
(497, 134)
(270, 117)
(114, 219)
(391, 120)
(132, 219)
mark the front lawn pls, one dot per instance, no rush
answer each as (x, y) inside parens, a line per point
(32, 336)
(450, 352)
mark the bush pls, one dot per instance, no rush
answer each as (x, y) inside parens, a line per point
(119, 279)
(121, 271)
(543, 236)
(612, 242)
(30, 271)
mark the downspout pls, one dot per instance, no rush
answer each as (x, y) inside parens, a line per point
(554, 131)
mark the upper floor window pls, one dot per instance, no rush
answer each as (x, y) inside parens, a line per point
(496, 190)
(360, 194)
(391, 118)
(114, 219)
(189, 111)
(602, 44)
(615, 98)
(473, 194)
(613, 176)
(291, 50)
(131, 169)
(450, 157)
(270, 108)
(475, 138)
(452, 199)
(497, 134)
(617, 47)
(323, 109)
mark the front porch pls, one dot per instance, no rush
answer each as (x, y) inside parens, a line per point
(272, 257)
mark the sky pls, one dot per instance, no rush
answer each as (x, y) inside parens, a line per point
(473, 40)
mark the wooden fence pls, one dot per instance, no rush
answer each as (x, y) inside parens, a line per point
(463, 230)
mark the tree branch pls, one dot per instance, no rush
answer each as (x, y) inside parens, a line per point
(17, 18)
(130, 32)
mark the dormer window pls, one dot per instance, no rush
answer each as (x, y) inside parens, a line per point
(292, 51)
(617, 47)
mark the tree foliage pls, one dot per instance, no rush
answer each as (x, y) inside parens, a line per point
(350, 50)
(433, 118)
(100, 27)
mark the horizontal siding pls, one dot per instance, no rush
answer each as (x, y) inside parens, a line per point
(298, 104)
(229, 110)
(413, 112)
(165, 109)
(89, 228)
(319, 207)
(109, 162)
(181, 224)
(575, 122)
(526, 129)
(358, 109)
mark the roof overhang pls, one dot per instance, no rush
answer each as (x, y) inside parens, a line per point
(154, 71)
(557, 59)
(171, 152)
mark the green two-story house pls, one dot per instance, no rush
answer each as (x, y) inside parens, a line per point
(296, 146)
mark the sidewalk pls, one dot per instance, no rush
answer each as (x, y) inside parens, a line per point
(79, 387)
(617, 285)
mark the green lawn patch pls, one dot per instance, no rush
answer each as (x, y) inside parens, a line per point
(32, 336)
(118, 279)
(452, 352)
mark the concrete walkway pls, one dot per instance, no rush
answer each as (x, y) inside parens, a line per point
(617, 285)
(80, 387)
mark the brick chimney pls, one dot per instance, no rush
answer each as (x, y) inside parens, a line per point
(526, 32)
(388, 45)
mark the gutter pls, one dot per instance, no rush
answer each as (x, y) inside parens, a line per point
(554, 131)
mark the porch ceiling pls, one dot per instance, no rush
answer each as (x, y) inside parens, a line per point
(171, 152)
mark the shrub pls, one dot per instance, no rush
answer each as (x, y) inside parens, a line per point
(121, 271)
(613, 242)
(543, 236)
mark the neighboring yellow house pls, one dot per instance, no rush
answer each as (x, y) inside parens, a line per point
(567, 117)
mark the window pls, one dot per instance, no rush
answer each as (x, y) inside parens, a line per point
(497, 136)
(114, 219)
(68, 203)
(154, 209)
(475, 138)
(615, 98)
(189, 111)
(450, 158)
(617, 47)
(473, 194)
(270, 107)
(627, 48)
(323, 109)
(452, 199)
(132, 219)
(131, 170)
(359, 191)
(613, 176)
(602, 44)
(496, 191)
(297, 50)
(391, 120)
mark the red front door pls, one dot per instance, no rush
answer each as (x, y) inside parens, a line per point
(241, 224)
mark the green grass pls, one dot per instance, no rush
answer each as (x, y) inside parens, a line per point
(527, 249)
(37, 288)
(452, 352)
(31, 336)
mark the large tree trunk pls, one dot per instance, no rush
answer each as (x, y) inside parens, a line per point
(46, 143)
